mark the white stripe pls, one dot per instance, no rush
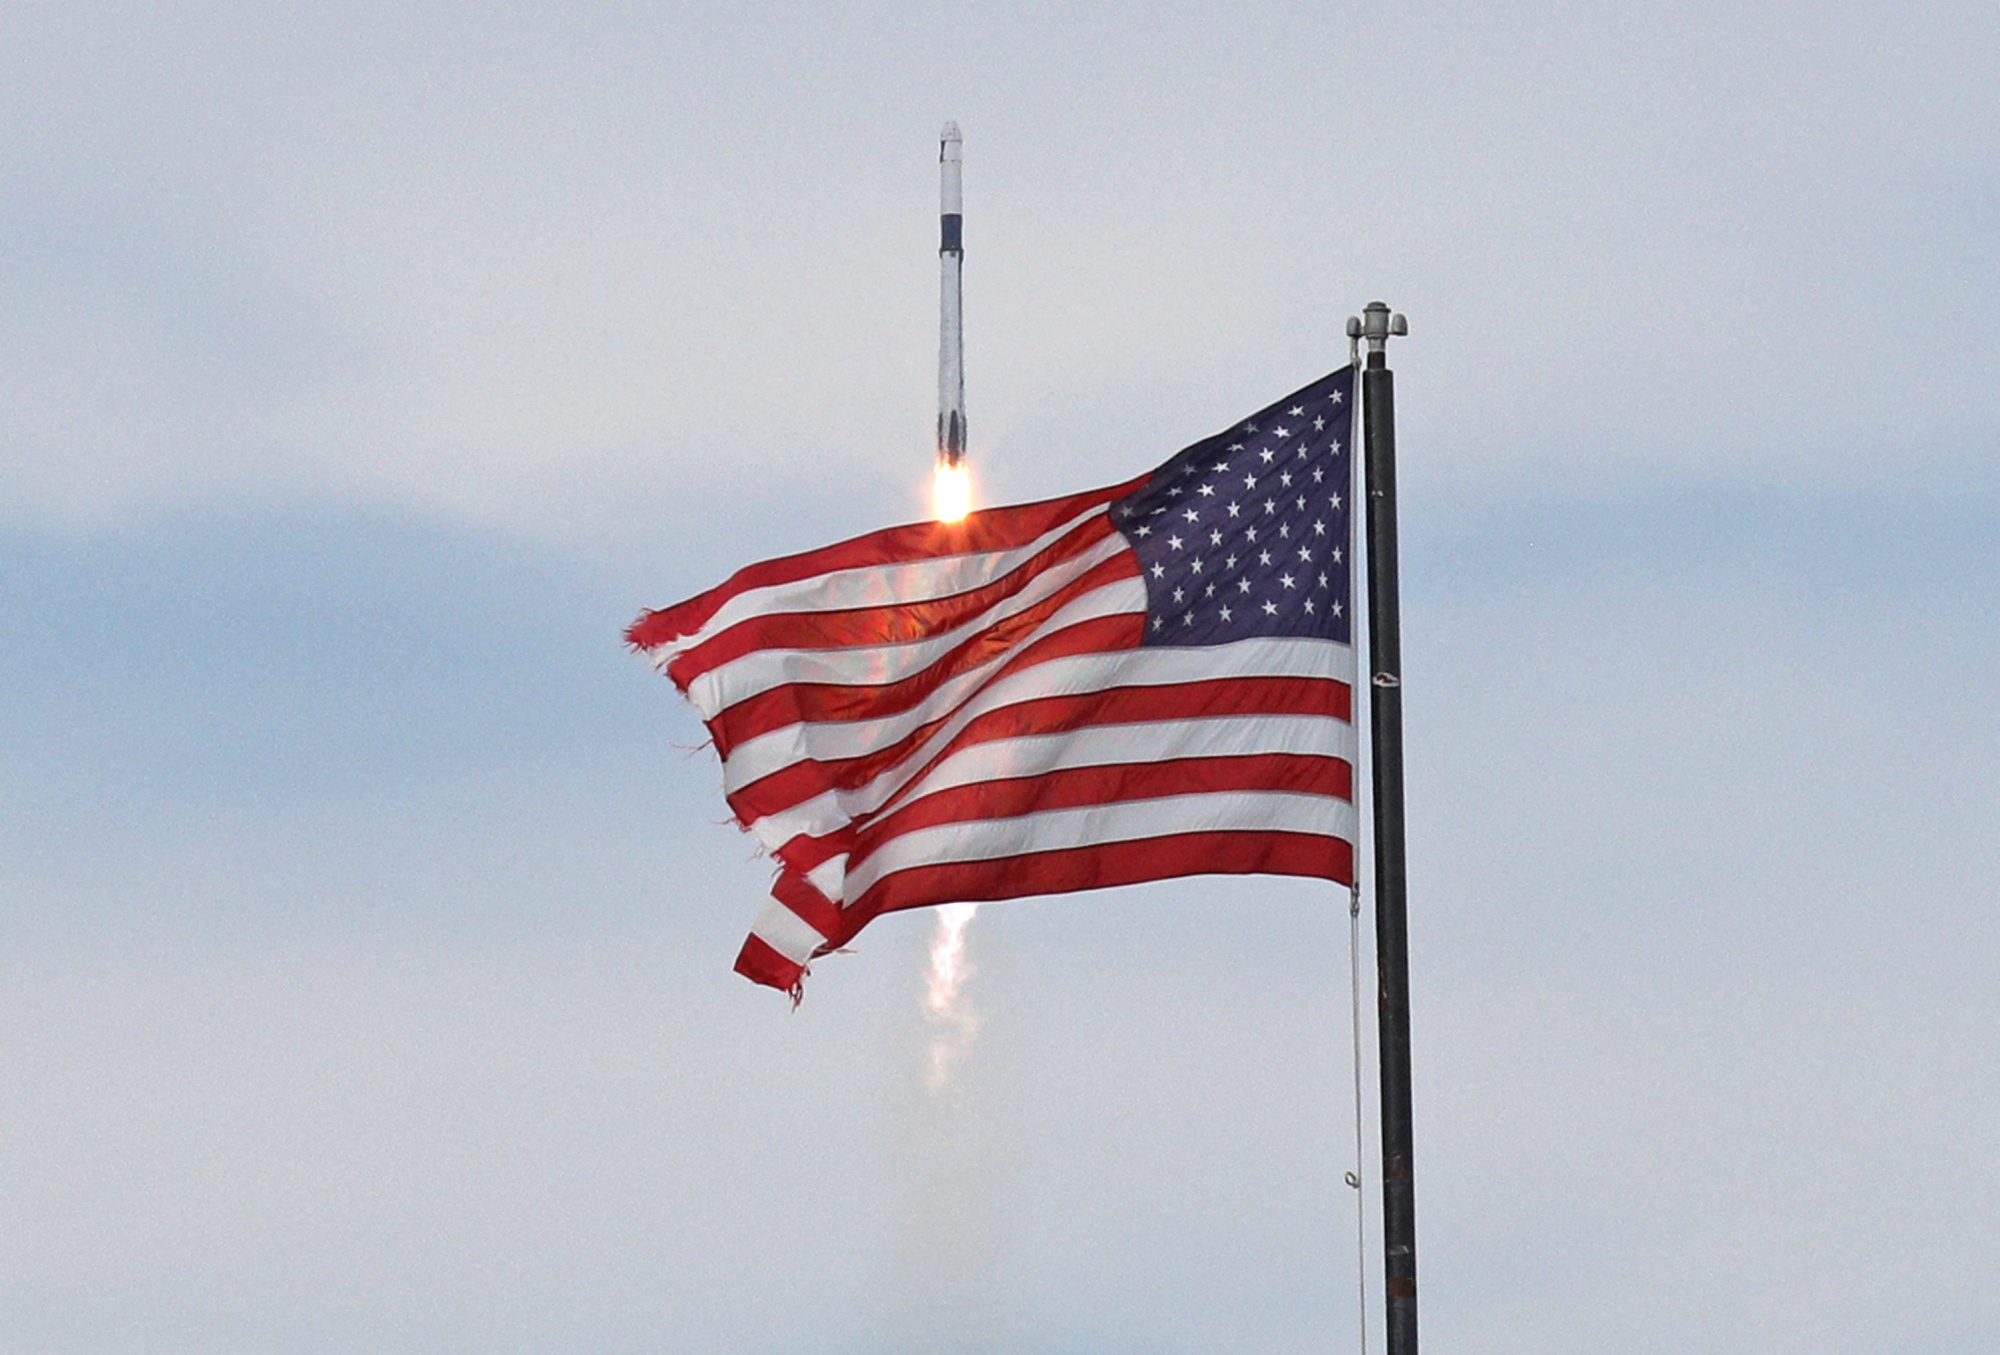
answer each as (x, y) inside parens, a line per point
(1151, 742)
(873, 585)
(827, 875)
(823, 739)
(1071, 675)
(1092, 825)
(1094, 746)
(878, 665)
(786, 932)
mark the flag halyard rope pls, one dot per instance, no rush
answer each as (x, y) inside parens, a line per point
(1354, 1176)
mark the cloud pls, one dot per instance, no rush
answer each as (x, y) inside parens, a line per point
(366, 940)
(424, 1036)
(557, 272)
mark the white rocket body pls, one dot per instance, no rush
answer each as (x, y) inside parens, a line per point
(951, 316)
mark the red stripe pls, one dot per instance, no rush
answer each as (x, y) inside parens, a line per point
(803, 780)
(759, 963)
(804, 853)
(1102, 866)
(989, 529)
(888, 624)
(799, 894)
(1070, 787)
(1074, 787)
(1053, 715)
(836, 702)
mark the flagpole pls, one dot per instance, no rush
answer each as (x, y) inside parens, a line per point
(1375, 325)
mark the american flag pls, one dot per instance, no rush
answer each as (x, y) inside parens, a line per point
(1149, 680)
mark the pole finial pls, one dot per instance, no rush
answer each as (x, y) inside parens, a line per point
(1377, 325)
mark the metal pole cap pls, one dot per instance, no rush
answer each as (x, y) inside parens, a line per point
(1377, 325)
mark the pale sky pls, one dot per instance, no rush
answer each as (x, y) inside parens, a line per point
(365, 929)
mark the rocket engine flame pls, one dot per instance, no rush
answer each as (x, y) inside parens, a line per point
(951, 493)
(954, 1024)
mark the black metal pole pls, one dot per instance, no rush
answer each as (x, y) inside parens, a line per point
(1392, 932)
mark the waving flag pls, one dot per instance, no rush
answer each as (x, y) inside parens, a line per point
(1144, 681)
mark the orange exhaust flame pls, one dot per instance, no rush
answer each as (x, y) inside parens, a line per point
(951, 493)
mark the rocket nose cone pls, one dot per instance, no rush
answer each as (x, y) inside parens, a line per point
(950, 133)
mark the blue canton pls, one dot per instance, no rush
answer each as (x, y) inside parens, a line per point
(1248, 533)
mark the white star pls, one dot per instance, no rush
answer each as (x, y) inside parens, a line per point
(1285, 530)
(1179, 596)
(1296, 411)
(1270, 505)
(1235, 446)
(1187, 618)
(1288, 581)
(1334, 446)
(1309, 606)
(1249, 482)
(1319, 425)
(1174, 490)
(1336, 609)
(1174, 541)
(1302, 451)
(1230, 563)
(1243, 585)
(1335, 397)
(1336, 555)
(1220, 467)
(1209, 591)
(1225, 613)
(1158, 622)
(1301, 502)
(1335, 501)
(1270, 609)
(1322, 581)
(1305, 555)
(1286, 479)
(1319, 474)
(1206, 491)
(1159, 571)
(1142, 530)
(1281, 432)
(1232, 509)
(1250, 532)
(1249, 427)
(1215, 538)
(1263, 557)
(1319, 529)
(1267, 454)
(1195, 565)
(1191, 515)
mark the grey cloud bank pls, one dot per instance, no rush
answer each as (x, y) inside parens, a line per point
(424, 1039)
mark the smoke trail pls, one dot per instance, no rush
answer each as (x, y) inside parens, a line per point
(954, 1024)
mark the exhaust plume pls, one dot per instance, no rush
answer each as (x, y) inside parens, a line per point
(954, 1024)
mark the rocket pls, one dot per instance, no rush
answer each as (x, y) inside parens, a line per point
(951, 331)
